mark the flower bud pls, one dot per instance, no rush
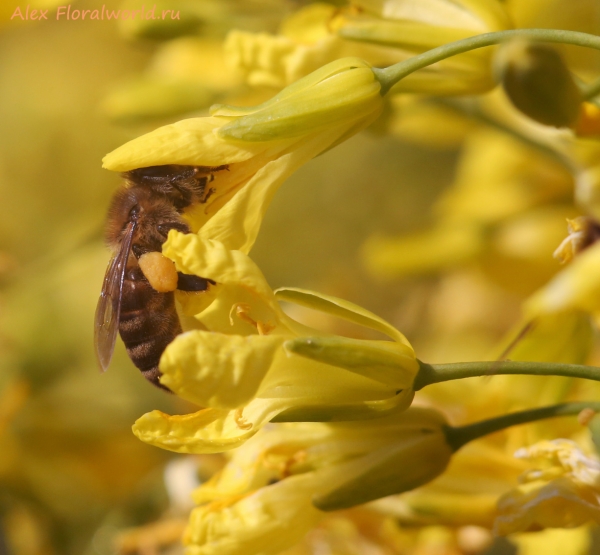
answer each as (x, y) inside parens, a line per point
(419, 454)
(562, 492)
(538, 83)
(340, 92)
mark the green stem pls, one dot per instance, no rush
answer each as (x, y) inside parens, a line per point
(459, 436)
(389, 76)
(430, 374)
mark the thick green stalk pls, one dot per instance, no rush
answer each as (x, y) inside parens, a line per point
(459, 436)
(389, 76)
(436, 373)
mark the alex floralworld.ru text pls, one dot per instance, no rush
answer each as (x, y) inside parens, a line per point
(65, 12)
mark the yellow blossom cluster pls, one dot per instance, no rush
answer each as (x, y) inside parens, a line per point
(302, 423)
(316, 421)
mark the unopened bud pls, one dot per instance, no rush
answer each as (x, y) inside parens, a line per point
(417, 452)
(538, 83)
(342, 92)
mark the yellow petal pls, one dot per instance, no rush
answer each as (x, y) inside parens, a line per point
(188, 142)
(266, 522)
(275, 61)
(206, 431)
(559, 503)
(212, 259)
(237, 223)
(263, 460)
(217, 370)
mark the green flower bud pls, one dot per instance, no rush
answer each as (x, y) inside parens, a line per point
(419, 454)
(341, 92)
(538, 83)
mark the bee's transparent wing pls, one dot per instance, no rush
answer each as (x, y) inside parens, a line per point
(108, 311)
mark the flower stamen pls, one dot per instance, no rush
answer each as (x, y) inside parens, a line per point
(240, 421)
(242, 312)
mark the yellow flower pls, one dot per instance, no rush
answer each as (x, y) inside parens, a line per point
(264, 500)
(564, 492)
(260, 146)
(238, 366)
(381, 32)
(303, 45)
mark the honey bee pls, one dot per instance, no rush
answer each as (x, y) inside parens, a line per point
(139, 219)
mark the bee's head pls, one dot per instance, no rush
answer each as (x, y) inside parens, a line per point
(154, 216)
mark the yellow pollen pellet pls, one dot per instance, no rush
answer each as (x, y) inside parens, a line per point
(159, 271)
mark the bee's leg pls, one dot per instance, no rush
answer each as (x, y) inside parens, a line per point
(187, 282)
(208, 193)
(218, 168)
(211, 177)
